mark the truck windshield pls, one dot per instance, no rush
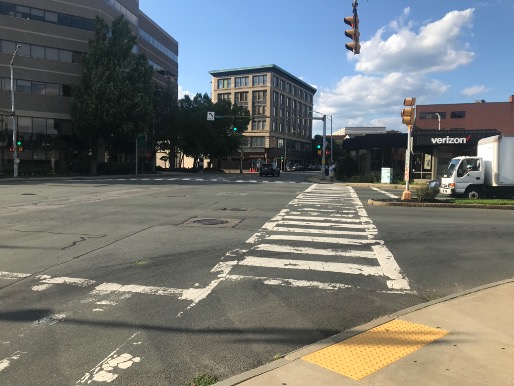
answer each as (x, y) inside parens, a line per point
(451, 167)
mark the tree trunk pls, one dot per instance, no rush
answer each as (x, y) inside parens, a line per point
(97, 146)
(94, 160)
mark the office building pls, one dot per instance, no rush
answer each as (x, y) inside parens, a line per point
(53, 36)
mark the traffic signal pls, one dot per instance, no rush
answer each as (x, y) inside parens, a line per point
(409, 113)
(19, 139)
(318, 146)
(235, 129)
(353, 33)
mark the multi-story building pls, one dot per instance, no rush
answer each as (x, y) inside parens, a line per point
(281, 106)
(53, 36)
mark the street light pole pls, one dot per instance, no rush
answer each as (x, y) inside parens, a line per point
(324, 147)
(439, 119)
(331, 142)
(14, 128)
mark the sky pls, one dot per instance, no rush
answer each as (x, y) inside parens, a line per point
(438, 51)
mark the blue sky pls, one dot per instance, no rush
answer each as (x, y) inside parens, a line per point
(439, 51)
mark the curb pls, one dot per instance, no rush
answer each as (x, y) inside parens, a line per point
(344, 335)
(437, 204)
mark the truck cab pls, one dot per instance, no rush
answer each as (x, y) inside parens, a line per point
(464, 176)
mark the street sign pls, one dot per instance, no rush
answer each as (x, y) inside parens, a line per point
(210, 115)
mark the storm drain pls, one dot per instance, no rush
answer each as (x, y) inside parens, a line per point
(213, 222)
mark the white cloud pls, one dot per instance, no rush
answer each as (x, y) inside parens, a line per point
(474, 90)
(396, 63)
(182, 92)
(435, 48)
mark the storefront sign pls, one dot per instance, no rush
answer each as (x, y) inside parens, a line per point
(450, 140)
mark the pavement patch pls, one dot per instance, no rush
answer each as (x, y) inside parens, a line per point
(366, 353)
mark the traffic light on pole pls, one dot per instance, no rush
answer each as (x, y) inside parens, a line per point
(353, 33)
(409, 113)
(20, 141)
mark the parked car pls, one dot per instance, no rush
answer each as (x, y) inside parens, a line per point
(269, 170)
(298, 167)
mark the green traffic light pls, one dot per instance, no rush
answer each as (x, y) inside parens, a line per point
(235, 129)
(319, 146)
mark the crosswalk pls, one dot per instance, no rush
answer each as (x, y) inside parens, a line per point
(323, 239)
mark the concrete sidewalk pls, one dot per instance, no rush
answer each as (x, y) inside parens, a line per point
(464, 339)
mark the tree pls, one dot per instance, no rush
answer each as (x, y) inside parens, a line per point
(113, 98)
(167, 122)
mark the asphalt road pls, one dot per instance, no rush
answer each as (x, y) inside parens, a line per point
(143, 280)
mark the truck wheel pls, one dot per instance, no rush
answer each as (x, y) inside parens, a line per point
(473, 193)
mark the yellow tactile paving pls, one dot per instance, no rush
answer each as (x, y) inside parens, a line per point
(363, 354)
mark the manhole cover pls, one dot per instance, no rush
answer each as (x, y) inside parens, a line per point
(210, 221)
(213, 222)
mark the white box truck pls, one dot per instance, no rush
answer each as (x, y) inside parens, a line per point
(489, 174)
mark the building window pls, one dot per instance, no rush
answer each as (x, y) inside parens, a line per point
(259, 80)
(38, 88)
(281, 84)
(259, 125)
(23, 86)
(431, 115)
(52, 89)
(123, 10)
(458, 114)
(256, 141)
(275, 81)
(224, 97)
(288, 87)
(259, 110)
(224, 83)
(241, 97)
(37, 52)
(259, 96)
(242, 82)
(157, 44)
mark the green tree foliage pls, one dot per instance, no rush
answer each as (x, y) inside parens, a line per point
(197, 137)
(168, 126)
(113, 99)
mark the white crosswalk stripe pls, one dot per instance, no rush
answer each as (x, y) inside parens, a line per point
(325, 232)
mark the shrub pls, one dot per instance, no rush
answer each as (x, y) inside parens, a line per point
(425, 193)
(346, 167)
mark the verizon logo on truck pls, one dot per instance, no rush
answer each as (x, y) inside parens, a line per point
(450, 140)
